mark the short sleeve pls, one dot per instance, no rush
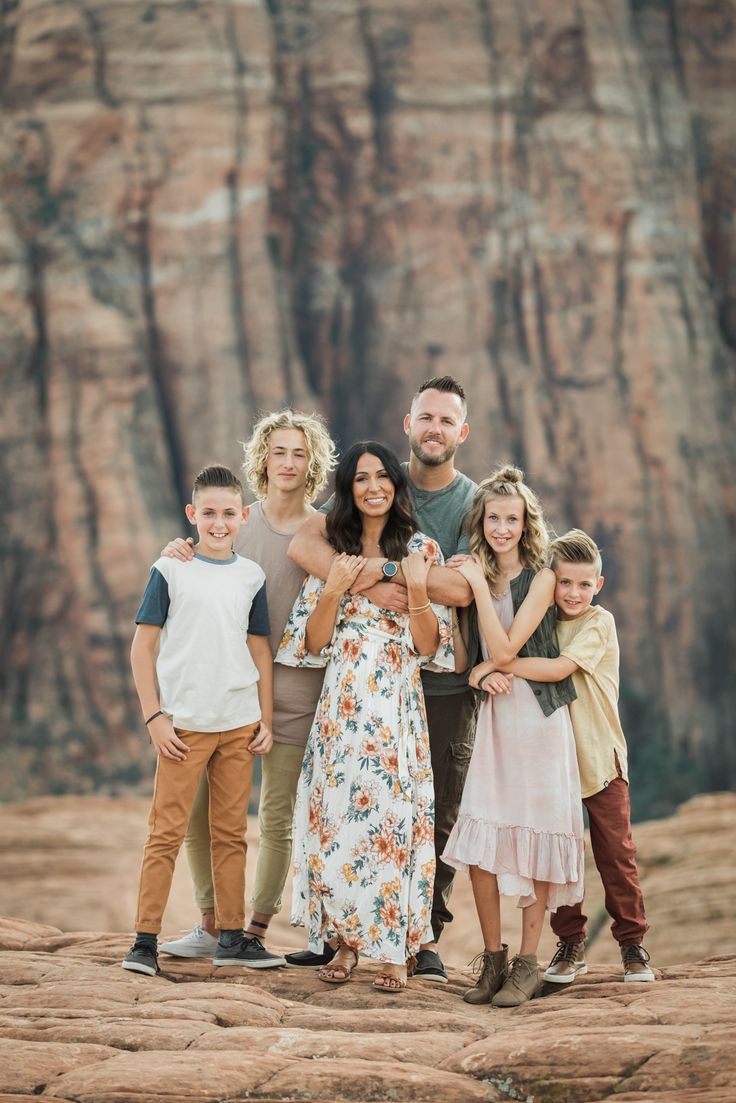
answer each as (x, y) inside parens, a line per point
(443, 660)
(258, 622)
(154, 606)
(327, 506)
(292, 650)
(588, 646)
(463, 543)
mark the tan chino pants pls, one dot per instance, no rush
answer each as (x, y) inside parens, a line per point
(229, 767)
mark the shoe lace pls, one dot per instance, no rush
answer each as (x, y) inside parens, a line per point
(253, 941)
(634, 953)
(519, 966)
(477, 963)
(565, 952)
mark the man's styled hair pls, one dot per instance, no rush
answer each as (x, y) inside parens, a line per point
(575, 546)
(217, 476)
(446, 385)
(317, 440)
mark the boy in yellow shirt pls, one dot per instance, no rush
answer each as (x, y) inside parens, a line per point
(586, 635)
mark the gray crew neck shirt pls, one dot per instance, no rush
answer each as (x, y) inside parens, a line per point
(441, 515)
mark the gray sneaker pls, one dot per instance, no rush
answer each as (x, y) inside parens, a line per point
(249, 951)
(429, 966)
(141, 958)
(197, 943)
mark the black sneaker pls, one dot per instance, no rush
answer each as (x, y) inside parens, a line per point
(248, 951)
(142, 958)
(429, 967)
(306, 959)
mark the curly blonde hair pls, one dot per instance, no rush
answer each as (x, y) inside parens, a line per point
(507, 481)
(320, 449)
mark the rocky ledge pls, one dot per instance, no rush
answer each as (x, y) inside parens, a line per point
(74, 1026)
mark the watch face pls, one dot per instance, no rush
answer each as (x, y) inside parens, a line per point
(389, 569)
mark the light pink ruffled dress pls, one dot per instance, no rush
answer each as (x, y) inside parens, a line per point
(521, 813)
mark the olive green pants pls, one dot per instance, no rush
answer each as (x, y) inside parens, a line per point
(280, 775)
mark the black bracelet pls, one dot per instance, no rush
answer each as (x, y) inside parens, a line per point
(159, 713)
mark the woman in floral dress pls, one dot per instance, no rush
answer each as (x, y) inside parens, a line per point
(364, 819)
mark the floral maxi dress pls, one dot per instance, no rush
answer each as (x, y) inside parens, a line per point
(364, 816)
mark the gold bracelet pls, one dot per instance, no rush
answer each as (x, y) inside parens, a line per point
(419, 608)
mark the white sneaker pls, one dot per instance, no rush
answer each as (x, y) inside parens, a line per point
(197, 943)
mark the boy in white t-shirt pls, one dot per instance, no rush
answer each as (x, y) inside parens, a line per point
(207, 704)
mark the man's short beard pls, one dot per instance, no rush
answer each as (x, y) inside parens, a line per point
(431, 461)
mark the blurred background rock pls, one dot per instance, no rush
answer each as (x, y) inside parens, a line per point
(211, 208)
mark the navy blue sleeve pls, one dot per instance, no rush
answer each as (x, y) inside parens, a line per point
(154, 606)
(258, 622)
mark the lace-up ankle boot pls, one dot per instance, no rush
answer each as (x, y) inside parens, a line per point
(493, 966)
(525, 980)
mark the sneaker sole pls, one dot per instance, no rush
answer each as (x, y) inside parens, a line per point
(557, 979)
(640, 978)
(184, 953)
(250, 964)
(132, 967)
(430, 976)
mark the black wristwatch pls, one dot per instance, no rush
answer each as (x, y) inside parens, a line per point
(390, 570)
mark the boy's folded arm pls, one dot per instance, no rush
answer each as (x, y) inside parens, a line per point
(540, 670)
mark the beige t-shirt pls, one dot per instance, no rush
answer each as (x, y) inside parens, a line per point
(295, 691)
(590, 641)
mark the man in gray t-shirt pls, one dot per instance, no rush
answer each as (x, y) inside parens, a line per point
(441, 496)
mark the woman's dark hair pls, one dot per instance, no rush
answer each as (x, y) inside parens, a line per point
(344, 523)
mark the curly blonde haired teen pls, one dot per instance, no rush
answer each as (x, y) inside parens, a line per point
(320, 449)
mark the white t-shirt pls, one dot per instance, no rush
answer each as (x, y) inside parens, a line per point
(206, 609)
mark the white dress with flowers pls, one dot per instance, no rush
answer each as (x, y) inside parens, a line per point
(364, 816)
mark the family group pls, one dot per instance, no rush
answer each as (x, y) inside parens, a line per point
(431, 689)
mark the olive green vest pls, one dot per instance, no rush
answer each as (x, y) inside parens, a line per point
(542, 644)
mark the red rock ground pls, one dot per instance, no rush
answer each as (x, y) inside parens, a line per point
(74, 1026)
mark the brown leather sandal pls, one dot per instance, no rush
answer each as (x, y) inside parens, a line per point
(327, 972)
(395, 984)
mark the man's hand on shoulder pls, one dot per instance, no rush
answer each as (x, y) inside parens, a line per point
(179, 549)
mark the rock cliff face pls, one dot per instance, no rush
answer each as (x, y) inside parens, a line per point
(216, 206)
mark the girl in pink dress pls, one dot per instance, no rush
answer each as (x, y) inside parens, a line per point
(520, 827)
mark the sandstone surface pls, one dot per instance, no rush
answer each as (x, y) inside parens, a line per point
(72, 862)
(216, 206)
(74, 1026)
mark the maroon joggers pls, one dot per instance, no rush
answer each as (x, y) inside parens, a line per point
(609, 813)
